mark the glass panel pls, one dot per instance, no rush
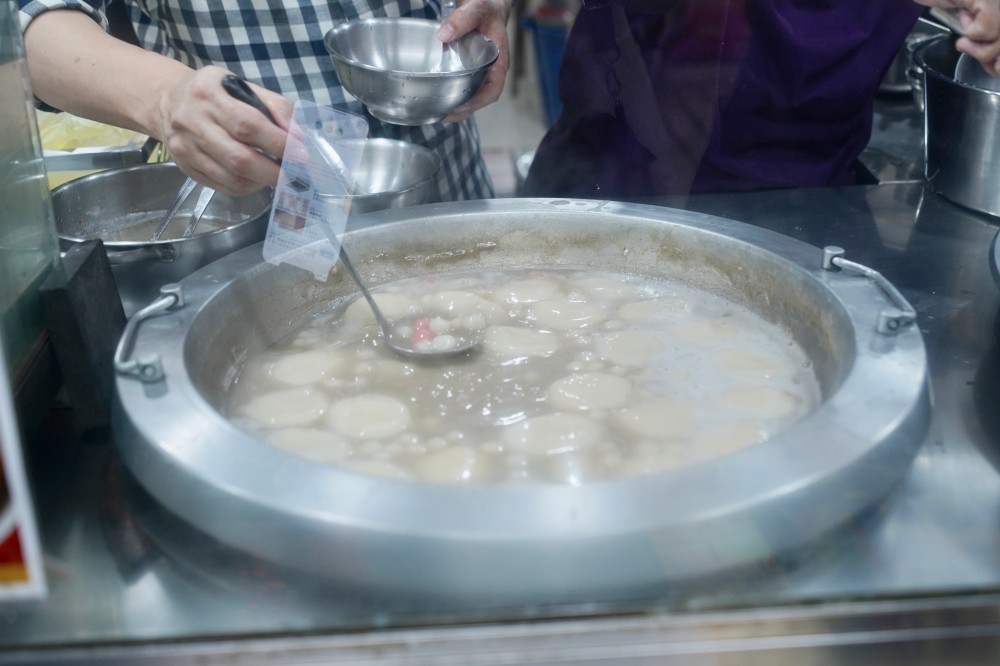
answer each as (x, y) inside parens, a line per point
(28, 244)
(721, 144)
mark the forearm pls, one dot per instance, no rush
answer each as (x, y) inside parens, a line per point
(75, 66)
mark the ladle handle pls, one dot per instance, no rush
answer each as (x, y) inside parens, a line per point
(241, 90)
(383, 324)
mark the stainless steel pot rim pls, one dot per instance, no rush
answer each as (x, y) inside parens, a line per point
(919, 56)
(161, 166)
(163, 242)
(495, 51)
(864, 434)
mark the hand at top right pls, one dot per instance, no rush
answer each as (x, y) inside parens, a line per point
(980, 21)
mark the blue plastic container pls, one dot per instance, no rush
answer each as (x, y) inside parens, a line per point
(550, 42)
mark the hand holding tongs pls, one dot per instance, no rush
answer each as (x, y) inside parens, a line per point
(238, 89)
(241, 90)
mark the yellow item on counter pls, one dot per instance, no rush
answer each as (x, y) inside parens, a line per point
(68, 133)
(64, 131)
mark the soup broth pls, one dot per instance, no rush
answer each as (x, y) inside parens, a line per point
(582, 376)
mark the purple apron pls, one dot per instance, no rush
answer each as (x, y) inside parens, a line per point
(679, 96)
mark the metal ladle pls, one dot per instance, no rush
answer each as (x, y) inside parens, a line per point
(392, 333)
(451, 59)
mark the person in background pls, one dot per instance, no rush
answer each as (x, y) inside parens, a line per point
(683, 96)
(170, 87)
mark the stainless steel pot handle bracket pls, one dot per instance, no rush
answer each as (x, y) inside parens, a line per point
(890, 320)
(148, 368)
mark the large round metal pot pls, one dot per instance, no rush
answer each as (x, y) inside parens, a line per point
(527, 544)
(961, 123)
(122, 207)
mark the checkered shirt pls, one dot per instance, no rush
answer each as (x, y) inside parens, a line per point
(279, 45)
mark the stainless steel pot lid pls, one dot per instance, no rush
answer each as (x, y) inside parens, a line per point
(533, 544)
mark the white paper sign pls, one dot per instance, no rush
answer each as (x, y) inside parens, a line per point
(21, 574)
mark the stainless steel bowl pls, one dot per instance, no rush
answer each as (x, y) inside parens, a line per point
(388, 64)
(122, 207)
(962, 145)
(502, 545)
(971, 73)
(393, 174)
(901, 75)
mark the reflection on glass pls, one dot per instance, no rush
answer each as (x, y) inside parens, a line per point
(28, 244)
(719, 95)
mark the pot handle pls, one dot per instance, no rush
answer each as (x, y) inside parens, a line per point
(146, 369)
(890, 320)
(162, 253)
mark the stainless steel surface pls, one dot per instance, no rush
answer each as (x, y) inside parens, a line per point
(892, 320)
(971, 73)
(388, 64)
(915, 581)
(322, 151)
(204, 198)
(147, 368)
(895, 153)
(392, 173)
(122, 206)
(395, 174)
(962, 141)
(491, 546)
(182, 194)
(900, 77)
(921, 633)
(451, 59)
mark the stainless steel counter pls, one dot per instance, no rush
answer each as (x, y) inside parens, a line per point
(916, 578)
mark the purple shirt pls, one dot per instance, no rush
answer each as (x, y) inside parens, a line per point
(664, 97)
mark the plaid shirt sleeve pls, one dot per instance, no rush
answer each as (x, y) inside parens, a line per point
(29, 9)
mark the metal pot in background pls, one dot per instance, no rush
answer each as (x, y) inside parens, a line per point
(902, 77)
(961, 137)
(122, 207)
(394, 174)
